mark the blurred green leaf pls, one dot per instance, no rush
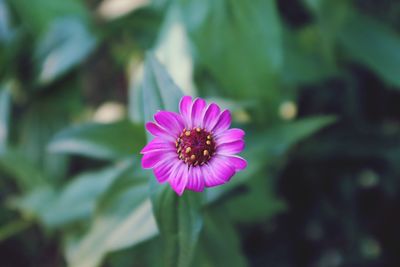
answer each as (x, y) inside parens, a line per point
(173, 49)
(5, 25)
(304, 62)
(43, 118)
(276, 141)
(10, 229)
(123, 219)
(66, 44)
(260, 190)
(35, 203)
(219, 243)
(267, 148)
(78, 199)
(5, 108)
(374, 44)
(239, 42)
(159, 92)
(178, 218)
(39, 14)
(26, 175)
(104, 141)
(180, 222)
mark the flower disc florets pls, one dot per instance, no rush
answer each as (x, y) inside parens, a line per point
(195, 147)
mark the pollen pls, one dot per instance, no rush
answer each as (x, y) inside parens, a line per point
(195, 146)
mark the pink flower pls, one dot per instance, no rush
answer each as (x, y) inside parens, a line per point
(193, 149)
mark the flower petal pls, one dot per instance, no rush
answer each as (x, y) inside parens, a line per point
(164, 169)
(179, 178)
(170, 121)
(185, 106)
(231, 148)
(224, 121)
(217, 172)
(230, 135)
(196, 180)
(158, 131)
(197, 112)
(238, 163)
(211, 116)
(158, 144)
(152, 158)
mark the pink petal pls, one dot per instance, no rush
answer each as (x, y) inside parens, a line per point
(224, 121)
(217, 172)
(230, 135)
(158, 131)
(170, 121)
(152, 158)
(179, 178)
(238, 163)
(197, 112)
(195, 181)
(158, 144)
(163, 170)
(231, 148)
(185, 107)
(210, 178)
(211, 116)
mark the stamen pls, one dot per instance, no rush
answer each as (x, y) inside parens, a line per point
(188, 149)
(205, 153)
(208, 142)
(192, 157)
(187, 133)
(198, 129)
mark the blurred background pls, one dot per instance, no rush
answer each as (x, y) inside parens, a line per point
(315, 84)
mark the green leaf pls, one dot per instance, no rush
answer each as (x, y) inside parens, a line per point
(304, 59)
(219, 243)
(34, 204)
(276, 141)
(104, 141)
(180, 222)
(173, 49)
(26, 175)
(179, 218)
(260, 189)
(159, 92)
(78, 199)
(13, 228)
(124, 218)
(6, 31)
(374, 45)
(239, 42)
(44, 117)
(5, 107)
(268, 147)
(39, 14)
(66, 44)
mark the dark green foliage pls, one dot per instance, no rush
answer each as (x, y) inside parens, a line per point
(314, 83)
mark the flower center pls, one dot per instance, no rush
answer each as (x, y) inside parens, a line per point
(195, 147)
